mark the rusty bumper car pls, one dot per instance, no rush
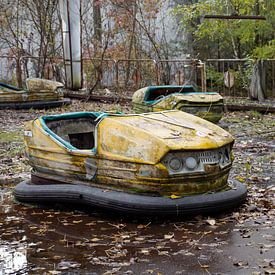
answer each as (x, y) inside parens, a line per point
(207, 105)
(164, 163)
(40, 94)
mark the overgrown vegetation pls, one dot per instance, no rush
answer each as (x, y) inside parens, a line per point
(265, 52)
(134, 29)
(230, 38)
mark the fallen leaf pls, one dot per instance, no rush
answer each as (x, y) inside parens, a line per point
(241, 263)
(211, 221)
(145, 251)
(204, 266)
(169, 236)
(78, 221)
(95, 240)
(175, 196)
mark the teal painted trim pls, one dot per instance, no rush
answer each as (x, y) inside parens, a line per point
(72, 115)
(44, 119)
(8, 86)
(169, 86)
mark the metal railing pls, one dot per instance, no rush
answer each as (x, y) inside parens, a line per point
(230, 77)
(9, 69)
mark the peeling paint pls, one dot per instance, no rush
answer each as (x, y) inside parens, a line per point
(130, 155)
(91, 168)
(205, 105)
(37, 90)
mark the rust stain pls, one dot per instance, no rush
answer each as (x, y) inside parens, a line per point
(206, 105)
(37, 90)
(129, 152)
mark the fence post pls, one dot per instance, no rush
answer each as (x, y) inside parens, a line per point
(19, 73)
(116, 69)
(203, 75)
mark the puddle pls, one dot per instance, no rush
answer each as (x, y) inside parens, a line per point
(61, 241)
(36, 240)
(13, 258)
(5, 201)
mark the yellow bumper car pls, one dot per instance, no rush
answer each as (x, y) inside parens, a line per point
(207, 105)
(40, 94)
(162, 163)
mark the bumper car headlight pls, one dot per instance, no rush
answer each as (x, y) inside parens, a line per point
(175, 164)
(191, 163)
(195, 161)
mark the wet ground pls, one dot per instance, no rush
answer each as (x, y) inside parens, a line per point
(37, 240)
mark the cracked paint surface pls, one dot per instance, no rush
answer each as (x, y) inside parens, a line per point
(129, 151)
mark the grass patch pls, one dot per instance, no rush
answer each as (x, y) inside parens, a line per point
(11, 143)
(11, 136)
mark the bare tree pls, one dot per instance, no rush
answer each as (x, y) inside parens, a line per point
(45, 25)
(30, 29)
(97, 20)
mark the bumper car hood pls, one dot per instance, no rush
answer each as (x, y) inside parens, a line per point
(148, 137)
(198, 97)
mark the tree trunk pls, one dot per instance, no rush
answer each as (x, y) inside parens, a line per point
(257, 12)
(19, 73)
(132, 37)
(97, 26)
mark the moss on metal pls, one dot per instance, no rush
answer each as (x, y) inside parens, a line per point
(129, 157)
(159, 98)
(37, 90)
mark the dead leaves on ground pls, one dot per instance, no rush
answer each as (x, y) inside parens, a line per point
(72, 241)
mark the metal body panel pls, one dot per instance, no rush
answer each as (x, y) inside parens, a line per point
(128, 153)
(37, 90)
(207, 105)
